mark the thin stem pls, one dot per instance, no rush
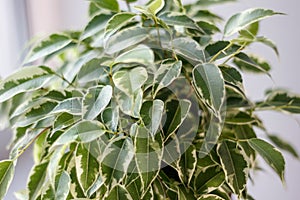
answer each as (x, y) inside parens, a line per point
(219, 53)
(26, 147)
(128, 5)
(234, 54)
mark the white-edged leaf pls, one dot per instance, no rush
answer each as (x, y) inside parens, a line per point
(95, 187)
(36, 114)
(140, 54)
(64, 120)
(118, 21)
(37, 180)
(167, 72)
(111, 5)
(96, 100)
(53, 43)
(110, 117)
(272, 156)
(63, 186)
(209, 84)
(234, 165)
(84, 131)
(7, 169)
(177, 111)
(54, 163)
(125, 38)
(130, 105)
(72, 106)
(118, 192)
(283, 144)
(178, 19)
(155, 6)
(148, 155)
(187, 163)
(209, 180)
(96, 25)
(87, 166)
(189, 49)
(25, 79)
(243, 19)
(151, 113)
(210, 197)
(93, 71)
(116, 159)
(129, 81)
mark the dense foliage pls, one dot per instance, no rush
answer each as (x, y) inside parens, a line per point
(143, 103)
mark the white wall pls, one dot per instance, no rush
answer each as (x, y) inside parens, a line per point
(54, 15)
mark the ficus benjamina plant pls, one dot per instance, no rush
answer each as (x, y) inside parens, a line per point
(146, 102)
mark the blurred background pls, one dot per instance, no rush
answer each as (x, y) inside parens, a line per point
(22, 20)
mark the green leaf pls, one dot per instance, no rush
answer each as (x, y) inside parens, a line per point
(220, 49)
(116, 159)
(284, 145)
(210, 197)
(209, 180)
(206, 15)
(96, 25)
(53, 166)
(168, 71)
(148, 155)
(118, 192)
(72, 106)
(63, 186)
(232, 76)
(189, 49)
(155, 6)
(129, 81)
(118, 21)
(110, 117)
(49, 46)
(7, 170)
(111, 5)
(135, 188)
(140, 54)
(95, 187)
(125, 38)
(87, 166)
(37, 180)
(96, 100)
(251, 63)
(271, 155)
(130, 105)
(177, 111)
(209, 84)
(64, 120)
(234, 166)
(178, 19)
(187, 163)
(243, 19)
(281, 100)
(269, 43)
(36, 114)
(151, 113)
(240, 118)
(93, 71)
(84, 131)
(24, 80)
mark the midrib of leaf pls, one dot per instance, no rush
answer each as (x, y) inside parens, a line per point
(5, 174)
(209, 180)
(172, 122)
(232, 164)
(267, 155)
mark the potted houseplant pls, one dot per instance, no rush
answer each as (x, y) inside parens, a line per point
(144, 103)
